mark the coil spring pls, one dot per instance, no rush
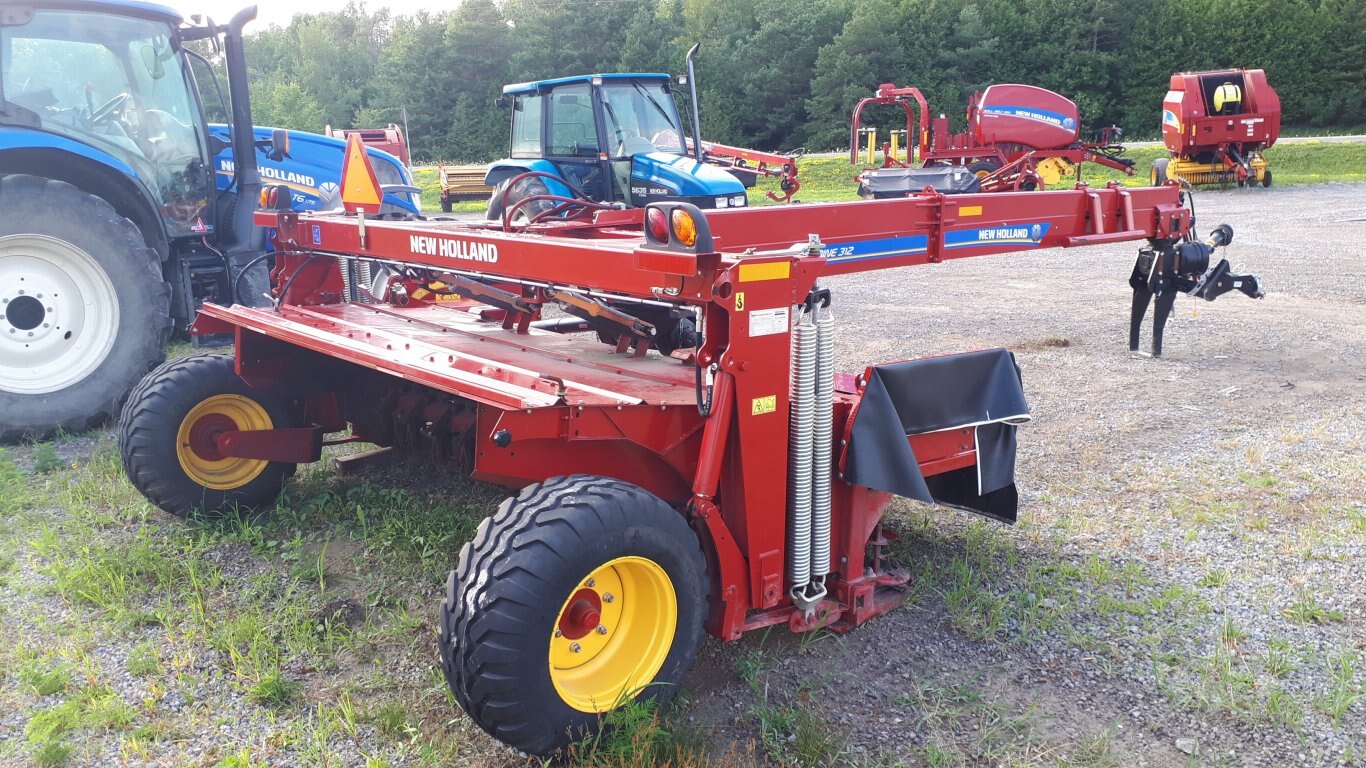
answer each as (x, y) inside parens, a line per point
(800, 453)
(363, 280)
(348, 279)
(821, 441)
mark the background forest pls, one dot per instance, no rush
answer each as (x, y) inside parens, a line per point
(784, 74)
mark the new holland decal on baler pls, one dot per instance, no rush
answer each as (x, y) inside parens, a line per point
(727, 484)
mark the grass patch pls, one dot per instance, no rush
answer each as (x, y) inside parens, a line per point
(44, 679)
(45, 459)
(1307, 610)
(637, 734)
(831, 179)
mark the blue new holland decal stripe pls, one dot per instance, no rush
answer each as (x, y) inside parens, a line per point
(1047, 117)
(1014, 234)
(884, 248)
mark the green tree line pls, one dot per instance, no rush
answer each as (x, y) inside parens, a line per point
(783, 74)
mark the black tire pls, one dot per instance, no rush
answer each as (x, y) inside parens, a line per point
(1266, 177)
(149, 431)
(1159, 172)
(504, 599)
(983, 168)
(520, 191)
(446, 205)
(111, 245)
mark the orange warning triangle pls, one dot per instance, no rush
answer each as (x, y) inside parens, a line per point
(360, 187)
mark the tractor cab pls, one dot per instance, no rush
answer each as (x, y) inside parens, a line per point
(609, 138)
(117, 85)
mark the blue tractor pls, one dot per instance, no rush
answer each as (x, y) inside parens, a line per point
(613, 139)
(121, 206)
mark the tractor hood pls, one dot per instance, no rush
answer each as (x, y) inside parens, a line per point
(665, 175)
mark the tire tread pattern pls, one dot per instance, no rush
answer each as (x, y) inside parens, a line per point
(87, 212)
(484, 613)
(151, 418)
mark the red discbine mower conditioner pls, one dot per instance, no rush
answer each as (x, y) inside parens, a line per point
(735, 482)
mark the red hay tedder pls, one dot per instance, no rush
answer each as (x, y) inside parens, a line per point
(1019, 138)
(735, 483)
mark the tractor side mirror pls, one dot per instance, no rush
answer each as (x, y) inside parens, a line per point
(279, 145)
(503, 102)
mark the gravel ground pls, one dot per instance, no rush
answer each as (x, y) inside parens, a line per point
(1184, 587)
(1239, 453)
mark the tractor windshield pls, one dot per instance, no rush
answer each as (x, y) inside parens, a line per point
(118, 85)
(641, 117)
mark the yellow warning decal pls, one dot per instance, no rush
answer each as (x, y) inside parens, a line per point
(970, 210)
(739, 301)
(773, 270)
(761, 405)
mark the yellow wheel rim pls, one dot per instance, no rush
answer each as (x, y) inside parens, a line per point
(196, 445)
(612, 634)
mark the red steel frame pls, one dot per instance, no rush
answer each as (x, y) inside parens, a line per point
(541, 403)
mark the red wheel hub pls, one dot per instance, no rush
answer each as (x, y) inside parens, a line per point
(583, 615)
(204, 435)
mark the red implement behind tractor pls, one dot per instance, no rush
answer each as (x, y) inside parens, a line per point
(735, 482)
(389, 139)
(1216, 126)
(1019, 138)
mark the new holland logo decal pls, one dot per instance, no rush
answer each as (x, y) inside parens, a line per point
(1014, 234)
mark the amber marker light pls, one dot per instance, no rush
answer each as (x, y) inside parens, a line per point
(685, 229)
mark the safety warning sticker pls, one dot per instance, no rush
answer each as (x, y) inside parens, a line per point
(766, 322)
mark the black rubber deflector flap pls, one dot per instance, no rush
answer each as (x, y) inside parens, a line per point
(882, 183)
(977, 389)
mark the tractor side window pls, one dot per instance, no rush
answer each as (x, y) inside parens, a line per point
(572, 133)
(526, 125)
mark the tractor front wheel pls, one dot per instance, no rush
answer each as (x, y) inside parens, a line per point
(504, 199)
(579, 595)
(168, 431)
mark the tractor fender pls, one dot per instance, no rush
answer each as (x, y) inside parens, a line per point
(49, 156)
(502, 170)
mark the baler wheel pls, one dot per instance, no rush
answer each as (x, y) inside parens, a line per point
(1159, 172)
(983, 168)
(1266, 177)
(577, 596)
(167, 430)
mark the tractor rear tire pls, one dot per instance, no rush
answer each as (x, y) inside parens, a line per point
(84, 309)
(523, 189)
(1159, 172)
(577, 596)
(166, 437)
